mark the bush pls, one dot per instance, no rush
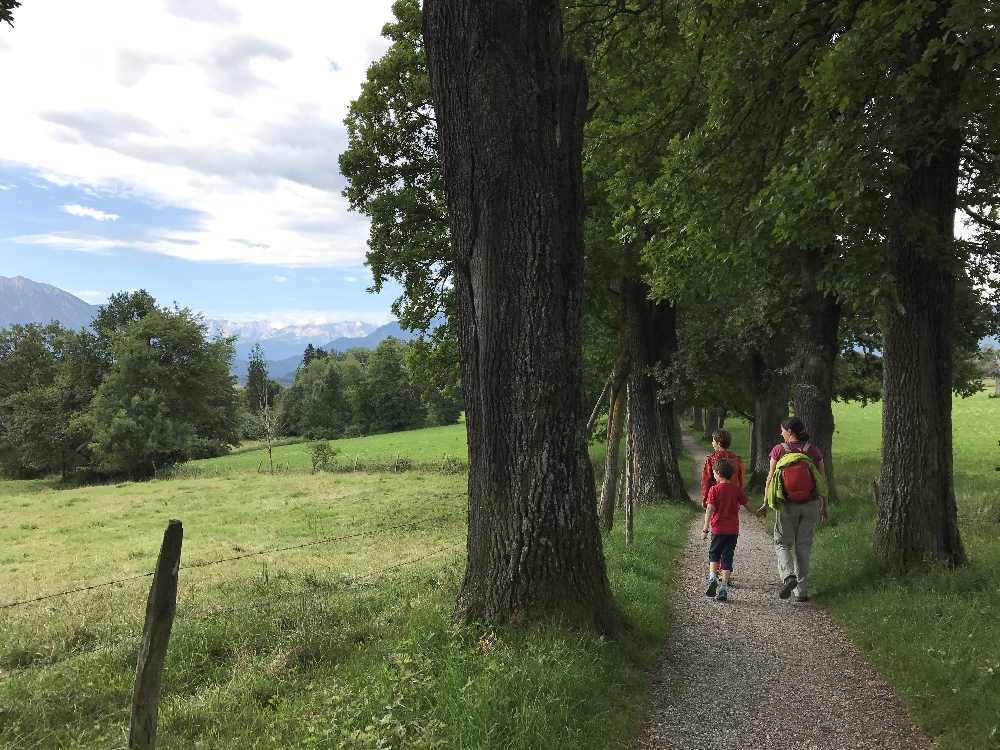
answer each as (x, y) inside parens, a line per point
(323, 456)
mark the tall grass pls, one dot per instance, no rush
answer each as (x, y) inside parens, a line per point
(348, 644)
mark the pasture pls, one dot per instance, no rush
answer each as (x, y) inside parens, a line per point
(349, 643)
(341, 643)
(427, 447)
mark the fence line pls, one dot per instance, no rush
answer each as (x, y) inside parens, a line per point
(328, 540)
(38, 737)
(374, 574)
(111, 645)
(9, 605)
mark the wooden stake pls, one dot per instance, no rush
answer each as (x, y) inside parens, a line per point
(160, 608)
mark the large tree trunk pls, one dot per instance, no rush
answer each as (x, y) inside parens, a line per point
(769, 384)
(916, 516)
(812, 391)
(510, 105)
(650, 330)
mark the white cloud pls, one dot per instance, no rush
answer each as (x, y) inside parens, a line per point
(91, 296)
(280, 279)
(5, 188)
(92, 213)
(209, 11)
(352, 279)
(229, 111)
(286, 318)
(79, 243)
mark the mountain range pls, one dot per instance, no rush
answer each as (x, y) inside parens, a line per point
(25, 301)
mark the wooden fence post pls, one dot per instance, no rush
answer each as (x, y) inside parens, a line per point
(628, 483)
(155, 635)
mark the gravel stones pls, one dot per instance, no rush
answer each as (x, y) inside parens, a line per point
(759, 673)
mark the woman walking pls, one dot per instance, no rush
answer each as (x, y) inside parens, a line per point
(799, 497)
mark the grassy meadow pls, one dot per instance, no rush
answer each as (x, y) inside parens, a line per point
(934, 633)
(428, 448)
(346, 643)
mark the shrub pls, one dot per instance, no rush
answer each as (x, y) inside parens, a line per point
(322, 455)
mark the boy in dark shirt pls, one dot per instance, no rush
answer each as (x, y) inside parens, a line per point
(722, 514)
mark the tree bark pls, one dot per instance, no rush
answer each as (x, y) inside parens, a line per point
(698, 423)
(596, 411)
(769, 384)
(916, 517)
(510, 104)
(812, 390)
(650, 331)
(612, 463)
(676, 433)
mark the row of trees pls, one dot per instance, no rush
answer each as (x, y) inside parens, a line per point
(358, 392)
(770, 192)
(143, 390)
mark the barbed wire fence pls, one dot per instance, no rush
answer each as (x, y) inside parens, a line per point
(38, 737)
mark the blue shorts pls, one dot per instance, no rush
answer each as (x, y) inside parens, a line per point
(722, 548)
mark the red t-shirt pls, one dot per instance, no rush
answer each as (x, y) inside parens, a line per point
(727, 499)
(813, 452)
(708, 478)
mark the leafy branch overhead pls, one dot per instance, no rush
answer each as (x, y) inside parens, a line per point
(394, 176)
(7, 10)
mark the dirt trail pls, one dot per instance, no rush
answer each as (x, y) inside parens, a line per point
(757, 672)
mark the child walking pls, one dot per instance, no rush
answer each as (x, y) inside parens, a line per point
(721, 440)
(722, 514)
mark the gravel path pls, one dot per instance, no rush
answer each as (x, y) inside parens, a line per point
(758, 673)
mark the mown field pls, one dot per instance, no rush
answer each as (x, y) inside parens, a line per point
(345, 642)
(934, 633)
(428, 447)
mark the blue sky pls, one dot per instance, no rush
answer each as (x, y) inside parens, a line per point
(190, 149)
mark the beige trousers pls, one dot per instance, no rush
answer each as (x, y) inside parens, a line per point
(794, 528)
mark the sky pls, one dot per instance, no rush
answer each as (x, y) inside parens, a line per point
(188, 147)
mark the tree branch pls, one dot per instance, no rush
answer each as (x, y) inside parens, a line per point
(982, 220)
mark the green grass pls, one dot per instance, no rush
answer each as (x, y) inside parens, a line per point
(934, 633)
(311, 647)
(426, 447)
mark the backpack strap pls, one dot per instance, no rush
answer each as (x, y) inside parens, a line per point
(804, 450)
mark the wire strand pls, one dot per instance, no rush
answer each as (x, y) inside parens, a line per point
(193, 566)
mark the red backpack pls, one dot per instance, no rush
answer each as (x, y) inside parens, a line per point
(797, 479)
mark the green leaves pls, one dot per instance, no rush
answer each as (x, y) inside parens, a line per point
(394, 177)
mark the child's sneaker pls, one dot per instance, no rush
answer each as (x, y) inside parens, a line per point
(713, 584)
(723, 594)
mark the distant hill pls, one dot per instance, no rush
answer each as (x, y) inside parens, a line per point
(283, 370)
(25, 301)
(371, 340)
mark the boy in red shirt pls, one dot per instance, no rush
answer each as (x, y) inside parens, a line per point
(721, 440)
(722, 512)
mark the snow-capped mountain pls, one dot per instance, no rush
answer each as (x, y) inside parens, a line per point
(282, 341)
(25, 301)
